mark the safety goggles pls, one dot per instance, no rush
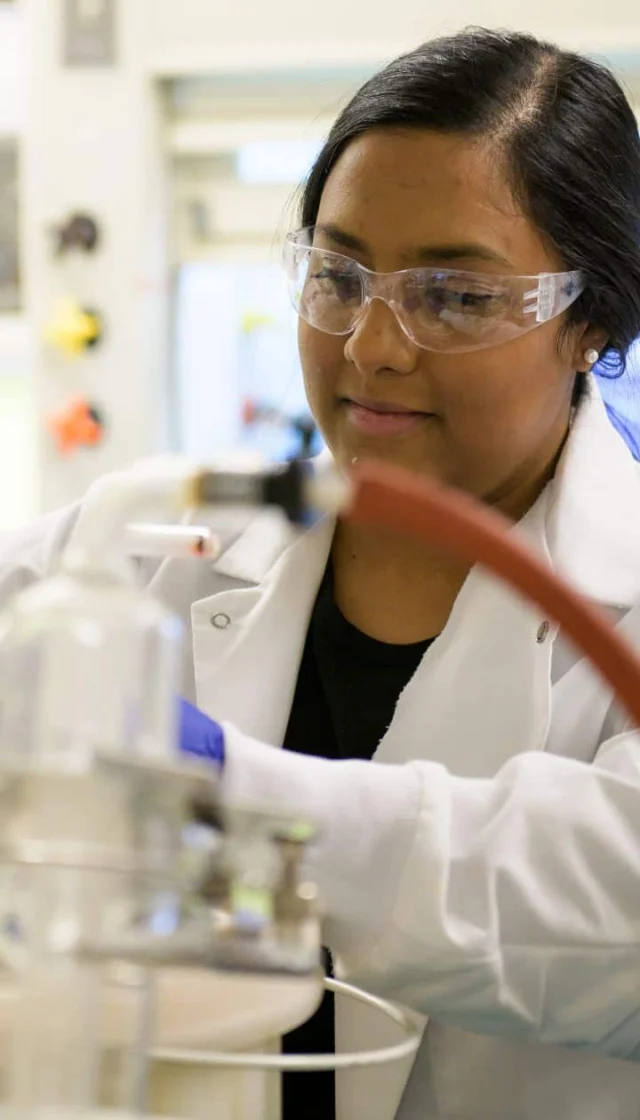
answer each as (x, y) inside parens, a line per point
(442, 309)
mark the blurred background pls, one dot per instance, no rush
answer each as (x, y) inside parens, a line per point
(150, 152)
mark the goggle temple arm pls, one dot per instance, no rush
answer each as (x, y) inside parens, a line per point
(555, 292)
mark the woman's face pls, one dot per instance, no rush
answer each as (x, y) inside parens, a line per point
(491, 421)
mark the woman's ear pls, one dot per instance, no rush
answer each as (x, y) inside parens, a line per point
(588, 346)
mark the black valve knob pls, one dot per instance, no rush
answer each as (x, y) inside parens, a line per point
(79, 232)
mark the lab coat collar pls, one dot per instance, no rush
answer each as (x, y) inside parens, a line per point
(593, 513)
(257, 549)
(248, 641)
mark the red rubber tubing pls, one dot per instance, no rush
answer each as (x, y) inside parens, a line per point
(390, 497)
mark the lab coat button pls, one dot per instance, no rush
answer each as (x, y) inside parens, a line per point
(220, 621)
(543, 630)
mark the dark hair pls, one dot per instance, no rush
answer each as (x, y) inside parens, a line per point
(569, 139)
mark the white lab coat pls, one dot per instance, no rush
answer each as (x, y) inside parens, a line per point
(484, 904)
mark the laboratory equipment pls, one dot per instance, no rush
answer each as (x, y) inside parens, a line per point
(170, 540)
(144, 931)
(171, 930)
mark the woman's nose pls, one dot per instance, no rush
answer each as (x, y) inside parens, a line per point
(378, 343)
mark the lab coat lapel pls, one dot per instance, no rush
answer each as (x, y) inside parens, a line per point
(593, 523)
(482, 691)
(248, 642)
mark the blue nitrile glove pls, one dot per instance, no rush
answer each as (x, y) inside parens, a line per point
(200, 736)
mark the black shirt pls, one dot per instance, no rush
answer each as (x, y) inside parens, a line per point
(347, 689)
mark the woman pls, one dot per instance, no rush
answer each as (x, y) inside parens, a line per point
(487, 189)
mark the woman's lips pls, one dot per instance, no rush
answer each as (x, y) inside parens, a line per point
(376, 418)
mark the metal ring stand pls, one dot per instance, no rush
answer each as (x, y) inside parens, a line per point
(302, 1063)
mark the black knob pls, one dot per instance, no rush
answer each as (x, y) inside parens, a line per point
(79, 232)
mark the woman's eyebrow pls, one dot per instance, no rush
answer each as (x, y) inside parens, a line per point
(432, 253)
(470, 250)
(342, 238)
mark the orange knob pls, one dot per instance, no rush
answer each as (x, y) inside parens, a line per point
(79, 424)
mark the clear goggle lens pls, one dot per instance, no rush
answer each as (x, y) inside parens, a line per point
(446, 310)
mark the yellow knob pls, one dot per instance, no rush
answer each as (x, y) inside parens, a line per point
(72, 328)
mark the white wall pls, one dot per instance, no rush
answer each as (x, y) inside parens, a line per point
(361, 29)
(18, 481)
(13, 69)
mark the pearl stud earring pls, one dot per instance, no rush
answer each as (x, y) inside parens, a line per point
(591, 356)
